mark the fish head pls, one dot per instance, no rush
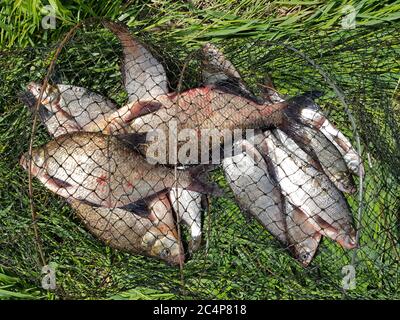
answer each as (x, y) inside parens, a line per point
(305, 250)
(51, 94)
(44, 164)
(165, 246)
(347, 240)
(37, 160)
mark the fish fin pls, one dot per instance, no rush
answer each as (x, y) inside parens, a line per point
(236, 87)
(134, 110)
(60, 183)
(306, 100)
(205, 202)
(133, 140)
(140, 207)
(269, 92)
(200, 181)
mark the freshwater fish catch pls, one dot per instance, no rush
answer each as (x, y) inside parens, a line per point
(308, 113)
(67, 108)
(312, 192)
(103, 171)
(122, 230)
(254, 189)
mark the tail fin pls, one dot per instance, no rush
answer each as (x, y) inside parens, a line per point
(200, 183)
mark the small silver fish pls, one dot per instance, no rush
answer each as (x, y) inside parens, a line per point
(310, 115)
(312, 192)
(254, 190)
(301, 233)
(326, 157)
(144, 76)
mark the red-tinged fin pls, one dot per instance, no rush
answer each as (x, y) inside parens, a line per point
(134, 110)
(139, 207)
(205, 202)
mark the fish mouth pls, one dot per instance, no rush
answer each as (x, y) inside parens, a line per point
(23, 162)
(177, 260)
(347, 241)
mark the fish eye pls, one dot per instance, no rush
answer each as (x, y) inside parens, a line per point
(305, 256)
(165, 253)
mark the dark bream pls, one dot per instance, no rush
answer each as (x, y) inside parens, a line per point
(103, 171)
(312, 192)
(122, 230)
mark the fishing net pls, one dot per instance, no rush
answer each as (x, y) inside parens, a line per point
(279, 218)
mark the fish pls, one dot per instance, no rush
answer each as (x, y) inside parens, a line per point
(144, 77)
(101, 170)
(67, 108)
(325, 156)
(217, 70)
(309, 114)
(122, 230)
(312, 192)
(188, 205)
(302, 235)
(255, 191)
(189, 201)
(269, 93)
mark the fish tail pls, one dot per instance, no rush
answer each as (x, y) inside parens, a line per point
(200, 181)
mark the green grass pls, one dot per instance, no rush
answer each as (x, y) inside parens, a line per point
(239, 259)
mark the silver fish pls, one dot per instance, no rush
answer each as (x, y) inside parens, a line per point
(302, 234)
(129, 232)
(254, 190)
(312, 192)
(188, 206)
(144, 76)
(309, 114)
(103, 171)
(329, 159)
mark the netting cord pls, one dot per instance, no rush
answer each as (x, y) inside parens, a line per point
(339, 93)
(178, 218)
(34, 215)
